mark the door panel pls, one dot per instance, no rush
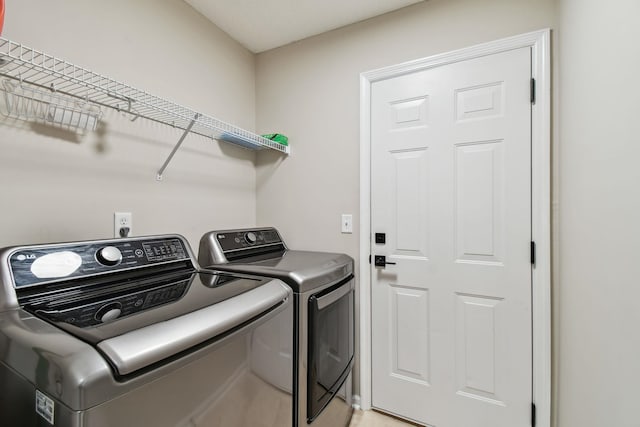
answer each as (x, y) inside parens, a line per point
(411, 203)
(451, 188)
(479, 201)
(409, 321)
(475, 346)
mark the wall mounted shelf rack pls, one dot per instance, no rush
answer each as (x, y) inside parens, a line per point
(44, 71)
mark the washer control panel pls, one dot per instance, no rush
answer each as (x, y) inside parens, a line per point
(243, 239)
(34, 265)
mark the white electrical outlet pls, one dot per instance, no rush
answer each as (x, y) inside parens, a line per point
(122, 224)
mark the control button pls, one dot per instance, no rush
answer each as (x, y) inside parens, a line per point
(109, 255)
(109, 312)
(139, 253)
(250, 237)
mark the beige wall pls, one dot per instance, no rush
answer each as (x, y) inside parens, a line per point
(54, 188)
(310, 91)
(599, 268)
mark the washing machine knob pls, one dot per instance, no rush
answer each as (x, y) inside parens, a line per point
(250, 237)
(109, 255)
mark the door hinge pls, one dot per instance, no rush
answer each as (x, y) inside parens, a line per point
(533, 414)
(533, 253)
(533, 91)
(369, 258)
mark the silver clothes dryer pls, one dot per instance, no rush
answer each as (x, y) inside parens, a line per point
(324, 294)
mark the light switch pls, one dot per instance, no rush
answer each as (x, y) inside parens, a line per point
(347, 223)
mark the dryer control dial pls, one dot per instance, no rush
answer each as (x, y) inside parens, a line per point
(109, 255)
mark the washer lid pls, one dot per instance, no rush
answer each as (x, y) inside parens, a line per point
(108, 310)
(151, 344)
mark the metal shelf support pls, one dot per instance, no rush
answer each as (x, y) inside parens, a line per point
(173, 152)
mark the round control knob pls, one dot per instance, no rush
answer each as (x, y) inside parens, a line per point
(109, 255)
(250, 237)
(109, 312)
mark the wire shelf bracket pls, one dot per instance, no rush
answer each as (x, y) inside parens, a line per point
(173, 152)
(27, 65)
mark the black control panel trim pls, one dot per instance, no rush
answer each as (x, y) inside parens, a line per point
(129, 301)
(96, 275)
(79, 287)
(255, 254)
(136, 254)
(270, 245)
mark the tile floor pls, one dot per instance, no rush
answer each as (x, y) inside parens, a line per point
(376, 419)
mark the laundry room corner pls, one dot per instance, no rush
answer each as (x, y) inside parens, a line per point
(66, 185)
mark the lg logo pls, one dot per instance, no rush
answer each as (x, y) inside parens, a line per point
(22, 257)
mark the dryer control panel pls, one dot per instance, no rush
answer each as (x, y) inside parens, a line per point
(249, 238)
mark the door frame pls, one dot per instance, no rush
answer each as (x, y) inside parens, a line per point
(539, 42)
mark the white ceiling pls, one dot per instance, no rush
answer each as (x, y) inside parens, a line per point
(261, 25)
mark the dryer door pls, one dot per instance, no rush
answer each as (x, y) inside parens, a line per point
(331, 344)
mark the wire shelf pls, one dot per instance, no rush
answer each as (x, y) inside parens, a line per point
(29, 103)
(47, 72)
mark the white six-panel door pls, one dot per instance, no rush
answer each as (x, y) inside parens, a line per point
(451, 190)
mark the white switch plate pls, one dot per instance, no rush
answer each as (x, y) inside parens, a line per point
(122, 220)
(347, 223)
